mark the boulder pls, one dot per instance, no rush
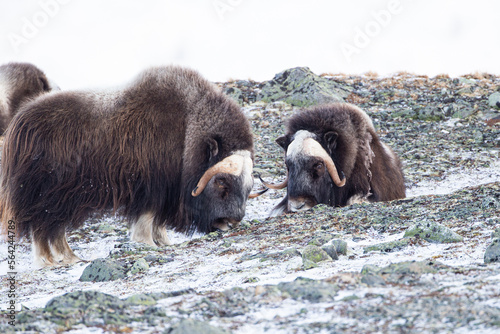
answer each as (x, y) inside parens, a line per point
(301, 87)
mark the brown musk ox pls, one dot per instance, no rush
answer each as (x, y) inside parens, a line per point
(334, 156)
(20, 83)
(169, 150)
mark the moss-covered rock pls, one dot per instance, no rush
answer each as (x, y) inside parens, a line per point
(191, 326)
(140, 265)
(433, 232)
(92, 308)
(314, 254)
(387, 247)
(492, 253)
(103, 270)
(308, 289)
(301, 87)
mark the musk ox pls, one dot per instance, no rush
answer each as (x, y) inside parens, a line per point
(333, 156)
(19, 83)
(169, 150)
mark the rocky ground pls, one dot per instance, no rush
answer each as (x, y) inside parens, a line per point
(427, 263)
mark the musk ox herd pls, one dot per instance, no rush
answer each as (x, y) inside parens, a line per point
(167, 151)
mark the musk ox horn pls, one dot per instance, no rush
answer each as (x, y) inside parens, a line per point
(313, 148)
(232, 164)
(275, 186)
(257, 194)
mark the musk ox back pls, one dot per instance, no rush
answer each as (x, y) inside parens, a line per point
(333, 156)
(170, 150)
(19, 83)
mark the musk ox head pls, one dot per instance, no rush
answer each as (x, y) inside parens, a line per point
(221, 193)
(333, 156)
(19, 83)
(312, 173)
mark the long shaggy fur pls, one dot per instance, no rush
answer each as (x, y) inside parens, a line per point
(19, 83)
(372, 170)
(139, 151)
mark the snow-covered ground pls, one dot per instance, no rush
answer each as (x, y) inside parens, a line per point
(203, 271)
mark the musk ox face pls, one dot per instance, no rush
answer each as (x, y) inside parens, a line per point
(220, 195)
(312, 174)
(334, 157)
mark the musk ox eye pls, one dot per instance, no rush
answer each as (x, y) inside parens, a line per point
(319, 166)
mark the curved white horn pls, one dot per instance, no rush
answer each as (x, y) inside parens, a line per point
(313, 148)
(275, 186)
(232, 164)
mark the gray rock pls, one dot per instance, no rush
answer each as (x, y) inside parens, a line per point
(340, 246)
(103, 270)
(92, 308)
(320, 239)
(402, 272)
(139, 265)
(373, 280)
(191, 326)
(496, 234)
(140, 299)
(433, 232)
(492, 253)
(314, 291)
(235, 93)
(494, 100)
(301, 87)
(331, 250)
(314, 254)
(387, 247)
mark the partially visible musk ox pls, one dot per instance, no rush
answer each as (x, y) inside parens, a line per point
(20, 83)
(334, 156)
(169, 150)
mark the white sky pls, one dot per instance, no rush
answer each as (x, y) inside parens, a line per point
(91, 43)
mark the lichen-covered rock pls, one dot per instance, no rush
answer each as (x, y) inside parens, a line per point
(191, 326)
(314, 254)
(141, 299)
(401, 272)
(387, 247)
(140, 265)
(301, 87)
(320, 239)
(373, 280)
(331, 250)
(433, 232)
(494, 100)
(314, 291)
(103, 270)
(92, 308)
(492, 253)
(340, 246)
(235, 93)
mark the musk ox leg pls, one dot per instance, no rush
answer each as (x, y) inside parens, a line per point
(53, 253)
(160, 236)
(142, 229)
(62, 253)
(41, 252)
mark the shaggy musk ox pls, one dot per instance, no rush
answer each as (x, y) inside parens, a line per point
(333, 156)
(169, 150)
(19, 83)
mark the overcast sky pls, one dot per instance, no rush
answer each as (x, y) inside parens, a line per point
(98, 43)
